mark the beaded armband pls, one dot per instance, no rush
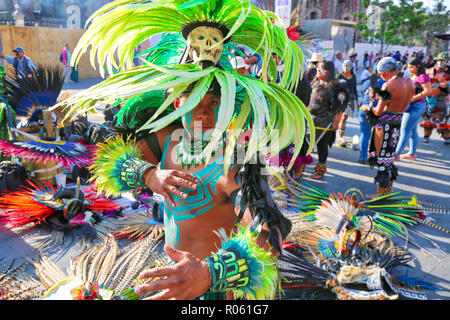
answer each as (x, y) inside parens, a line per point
(132, 172)
(243, 267)
(228, 271)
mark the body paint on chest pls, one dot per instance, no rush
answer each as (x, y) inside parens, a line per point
(196, 204)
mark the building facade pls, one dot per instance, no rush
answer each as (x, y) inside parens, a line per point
(330, 9)
(50, 13)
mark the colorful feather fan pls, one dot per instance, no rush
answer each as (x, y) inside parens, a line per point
(108, 162)
(65, 152)
(37, 203)
(29, 96)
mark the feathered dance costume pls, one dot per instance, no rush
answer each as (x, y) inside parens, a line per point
(267, 106)
(60, 208)
(29, 97)
(40, 151)
(388, 124)
(340, 246)
(354, 222)
(102, 272)
(365, 275)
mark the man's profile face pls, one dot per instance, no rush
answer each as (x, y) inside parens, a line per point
(203, 117)
(243, 71)
(385, 75)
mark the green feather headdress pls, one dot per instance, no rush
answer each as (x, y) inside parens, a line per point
(271, 108)
(267, 105)
(116, 29)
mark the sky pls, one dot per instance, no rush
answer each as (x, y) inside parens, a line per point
(430, 3)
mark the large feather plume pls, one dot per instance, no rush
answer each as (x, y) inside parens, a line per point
(273, 110)
(118, 27)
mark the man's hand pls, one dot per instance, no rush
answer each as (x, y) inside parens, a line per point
(365, 107)
(187, 279)
(166, 182)
(2, 56)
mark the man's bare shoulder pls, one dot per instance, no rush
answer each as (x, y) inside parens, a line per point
(167, 131)
(161, 135)
(230, 181)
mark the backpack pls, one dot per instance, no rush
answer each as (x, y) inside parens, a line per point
(61, 57)
(12, 176)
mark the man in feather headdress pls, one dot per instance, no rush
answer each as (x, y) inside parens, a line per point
(206, 194)
(200, 196)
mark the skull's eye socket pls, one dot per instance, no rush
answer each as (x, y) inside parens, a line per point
(215, 39)
(201, 38)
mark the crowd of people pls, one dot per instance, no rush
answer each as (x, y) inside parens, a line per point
(330, 92)
(430, 76)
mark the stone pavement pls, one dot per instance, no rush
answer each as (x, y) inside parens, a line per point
(428, 177)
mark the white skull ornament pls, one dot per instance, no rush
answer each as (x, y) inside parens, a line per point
(200, 40)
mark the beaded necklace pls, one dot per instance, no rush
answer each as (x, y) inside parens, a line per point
(190, 152)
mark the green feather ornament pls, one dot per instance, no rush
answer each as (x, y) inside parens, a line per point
(116, 29)
(108, 160)
(263, 271)
(273, 109)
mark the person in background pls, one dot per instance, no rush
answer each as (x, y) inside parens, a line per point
(348, 79)
(405, 57)
(437, 113)
(420, 55)
(23, 65)
(365, 128)
(254, 60)
(311, 70)
(65, 59)
(386, 117)
(366, 75)
(397, 56)
(371, 57)
(240, 65)
(328, 101)
(429, 61)
(352, 56)
(415, 110)
(365, 60)
(338, 62)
